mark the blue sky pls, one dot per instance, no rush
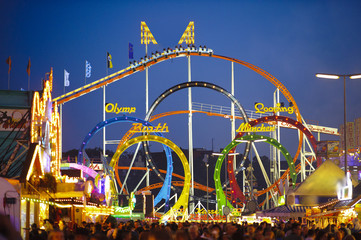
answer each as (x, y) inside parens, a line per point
(292, 40)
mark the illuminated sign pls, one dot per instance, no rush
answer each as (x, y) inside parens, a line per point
(132, 201)
(122, 209)
(344, 189)
(260, 108)
(138, 127)
(246, 127)
(13, 118)
(96, 166)
(110, 107)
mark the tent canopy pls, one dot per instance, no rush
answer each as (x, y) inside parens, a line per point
(323, 181)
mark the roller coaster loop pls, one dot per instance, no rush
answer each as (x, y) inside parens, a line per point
(221, 198)
(182, 203)
(236, 191)
(164, 193)
(190, 85)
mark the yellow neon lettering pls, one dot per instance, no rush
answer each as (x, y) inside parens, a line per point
(259, 107)
(164, 128)
(138, 127)
(112, 107)
(246, 127)
(116, 108)
(290, 110)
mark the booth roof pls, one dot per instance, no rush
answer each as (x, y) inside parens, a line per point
(323, 181)
(284, 211)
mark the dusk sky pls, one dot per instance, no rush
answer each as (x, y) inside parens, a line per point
(292, 40)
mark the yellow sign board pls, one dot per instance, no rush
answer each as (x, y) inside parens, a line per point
(110, 107)
(188, 35)
(138, 127)
(146, 35)
(246, 127)
(260, 108)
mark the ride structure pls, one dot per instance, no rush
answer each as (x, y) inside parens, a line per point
(232, 168)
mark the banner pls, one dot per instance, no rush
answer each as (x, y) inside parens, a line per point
(333, 148)
(88, 69)
(109, 60)
(10, 118)
(66, 79)
(322, 149)
(28, 67)
(130, 50)
(328, 149)
(8, 61)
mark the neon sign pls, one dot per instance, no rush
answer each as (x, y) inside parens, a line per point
(110, 107)
(260, 108)
(246, 127)
(45, 124)
(138, 127)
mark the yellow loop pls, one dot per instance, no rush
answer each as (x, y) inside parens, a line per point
(183, 199)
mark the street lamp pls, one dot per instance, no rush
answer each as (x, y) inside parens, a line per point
(205, 160)
(337, 76)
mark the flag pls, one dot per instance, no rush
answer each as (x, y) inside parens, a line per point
(66, 79)
(28, 68)
(130, 49)
(8, 61)
(109, 60)
(88, 69)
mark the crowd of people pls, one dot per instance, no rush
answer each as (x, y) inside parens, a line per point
(142, 230)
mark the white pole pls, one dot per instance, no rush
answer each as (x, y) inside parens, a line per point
(273, 134)
(103, 121)
(146, 82)
(233, 120)
(146, 104)
(104, 138)
(268, 182)
(190, 133)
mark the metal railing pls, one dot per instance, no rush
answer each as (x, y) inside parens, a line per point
(226, 110)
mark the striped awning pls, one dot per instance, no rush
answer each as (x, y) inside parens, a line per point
(284, 211)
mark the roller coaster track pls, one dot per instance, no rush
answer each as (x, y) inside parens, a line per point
(145, 169)
(181, 52)
(170, 54)
(129, 134)
(175, 183)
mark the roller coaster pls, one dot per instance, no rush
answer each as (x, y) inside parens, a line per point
(166, 184)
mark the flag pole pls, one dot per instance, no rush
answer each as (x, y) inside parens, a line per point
(106, 67)
(8, 80)
(106, 72)
(85, 73)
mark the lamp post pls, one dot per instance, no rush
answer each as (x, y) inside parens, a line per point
(337, 76)
(205, 160)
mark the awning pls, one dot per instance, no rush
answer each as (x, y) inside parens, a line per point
(284, 211)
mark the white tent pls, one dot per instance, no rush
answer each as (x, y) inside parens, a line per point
(10, 202)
